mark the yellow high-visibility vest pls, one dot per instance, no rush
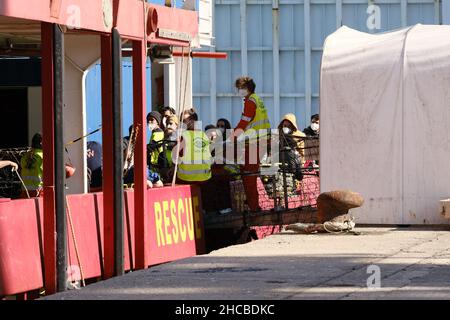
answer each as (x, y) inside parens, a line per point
(261, 119)
(195, 164)
(156, 137)
(32, 177)
(259, 125)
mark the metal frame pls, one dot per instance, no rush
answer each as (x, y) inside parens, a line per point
(140, 156)
(55, 247)
(311, 50)
(445, 11)
(60, 196)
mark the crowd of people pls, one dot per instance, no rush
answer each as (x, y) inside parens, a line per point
(179, 150)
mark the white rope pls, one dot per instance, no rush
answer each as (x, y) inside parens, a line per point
(75, 242)
(23, 184)
(344, 227)
(182, 109)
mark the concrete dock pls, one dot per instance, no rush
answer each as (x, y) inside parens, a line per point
(381, 263)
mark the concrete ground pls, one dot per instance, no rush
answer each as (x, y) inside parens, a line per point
(413, 263)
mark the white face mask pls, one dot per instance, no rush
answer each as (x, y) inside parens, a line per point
(286, 130)
(151, 126)
(164, 121)
(242, 93)
(222, 130)
(173, 136)
(315, 126)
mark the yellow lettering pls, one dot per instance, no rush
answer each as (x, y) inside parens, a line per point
(173, 215)
(158, 224)
(198, 229)
(166, 222)
(189, 217)
(182, 226)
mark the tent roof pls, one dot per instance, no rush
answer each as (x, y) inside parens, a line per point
(347, 48)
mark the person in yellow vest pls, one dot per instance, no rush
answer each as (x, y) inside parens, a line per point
(194, 162)
(32, 167)
(254, 123)
(154, 147)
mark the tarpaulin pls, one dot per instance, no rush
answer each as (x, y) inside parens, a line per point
(384, 118)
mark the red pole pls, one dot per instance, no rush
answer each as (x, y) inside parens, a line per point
(140, 154)
(198, 54)
(49, 158)
(108, 173)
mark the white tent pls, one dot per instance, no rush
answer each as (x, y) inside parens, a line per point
(385, 121)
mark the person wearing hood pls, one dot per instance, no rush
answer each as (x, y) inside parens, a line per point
(313, 129)
(291, 146)
(294, 137)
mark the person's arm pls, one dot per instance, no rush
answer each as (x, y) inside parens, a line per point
(5, 163)
(247, 115)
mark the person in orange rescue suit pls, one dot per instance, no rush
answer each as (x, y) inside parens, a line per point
(254, 124)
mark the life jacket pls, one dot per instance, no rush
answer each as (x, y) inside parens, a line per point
(195, 164)
(156, 138)
(32, 176)
(260, 122)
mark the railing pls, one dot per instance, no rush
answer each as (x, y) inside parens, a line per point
(287, 190)
(10, 185)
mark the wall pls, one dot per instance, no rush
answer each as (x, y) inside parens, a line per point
(286, 64)
(93, 98)
(81, 52)
(34, 111)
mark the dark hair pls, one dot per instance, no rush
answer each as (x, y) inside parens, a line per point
(130, 128)
(227, 123)
(36, 141)
(166, 108)
(245, 82)
(192, 114)
(314, 117)
(210, 126)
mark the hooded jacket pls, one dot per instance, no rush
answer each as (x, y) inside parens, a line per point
(297, 135)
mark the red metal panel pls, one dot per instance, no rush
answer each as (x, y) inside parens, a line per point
(85, 216)
(20, 251)
(185, 21)
(49, 157)
(107, 133)
(128, 16)
(140, 151)
(169, 216)
(129, 231)
(175, 223)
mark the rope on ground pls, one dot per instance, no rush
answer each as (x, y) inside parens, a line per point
(72, 231)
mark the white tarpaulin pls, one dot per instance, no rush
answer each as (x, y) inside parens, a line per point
(385, 122)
